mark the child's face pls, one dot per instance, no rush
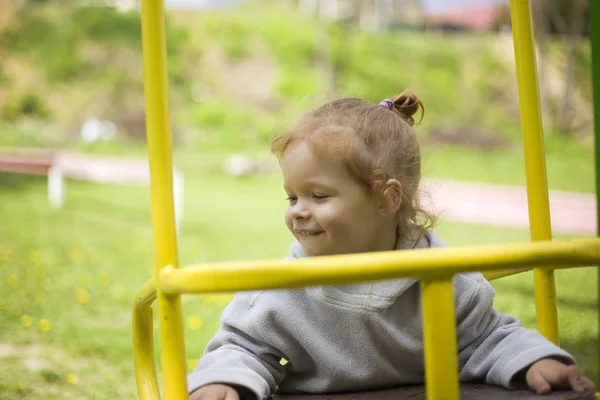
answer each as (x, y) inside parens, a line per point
(329, 211)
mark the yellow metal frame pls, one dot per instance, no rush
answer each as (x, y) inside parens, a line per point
(535, 163)
(143, 343)
(161, 186)
(435, 267)
(428, 264)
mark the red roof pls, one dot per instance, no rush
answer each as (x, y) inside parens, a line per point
(477, 18)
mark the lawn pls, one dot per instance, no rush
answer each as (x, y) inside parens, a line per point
(68, 276)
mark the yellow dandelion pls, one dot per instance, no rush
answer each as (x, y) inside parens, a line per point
(44, 325)
(103, 278)
(12, 279)
(5, 254)
(194, 322)
(191, 363)
(121, 293)
(36, 257)
(39, 297)
(39, 272)
(26, 321)
(76, 255)
(82, 296)
(72, 378)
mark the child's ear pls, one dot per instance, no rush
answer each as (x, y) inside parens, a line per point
(390, 198)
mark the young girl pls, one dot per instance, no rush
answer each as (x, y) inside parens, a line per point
(351, 170)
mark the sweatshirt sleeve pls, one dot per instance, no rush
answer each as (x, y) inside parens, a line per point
(493, 346)
(237, 355)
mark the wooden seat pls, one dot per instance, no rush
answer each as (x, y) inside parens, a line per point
(467, 392)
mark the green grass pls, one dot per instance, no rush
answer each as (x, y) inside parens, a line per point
(100, 245)
(569, 165)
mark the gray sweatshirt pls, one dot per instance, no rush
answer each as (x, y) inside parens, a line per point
(360, 336)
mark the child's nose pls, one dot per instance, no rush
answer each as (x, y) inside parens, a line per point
(299, 211)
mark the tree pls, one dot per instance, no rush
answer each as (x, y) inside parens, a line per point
(568, 20)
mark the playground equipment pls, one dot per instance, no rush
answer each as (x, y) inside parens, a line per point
(434, 267)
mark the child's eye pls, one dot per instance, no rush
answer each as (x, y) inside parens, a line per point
(292, 199)
(320, 196)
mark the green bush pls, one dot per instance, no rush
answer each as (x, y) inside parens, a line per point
(103, 24)
(30, 105)
(230, 126)
(292, 41)
(54, 42)
(296, 83)
(231, 31)
(373, 70)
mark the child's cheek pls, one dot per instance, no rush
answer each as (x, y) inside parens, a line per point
(333, 217)
(289, 222)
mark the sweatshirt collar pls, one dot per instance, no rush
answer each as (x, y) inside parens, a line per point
(370, 295)
(428, 240)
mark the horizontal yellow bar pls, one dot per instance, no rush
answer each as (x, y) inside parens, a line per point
(422, 263)
(490, 276)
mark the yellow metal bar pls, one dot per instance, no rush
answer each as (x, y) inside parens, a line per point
(490, 276)
(423, 263)
(439, 325)
(545, 304)
(161, 172)
(535, 165)
(143, 343)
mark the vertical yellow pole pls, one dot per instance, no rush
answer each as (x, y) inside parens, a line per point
(535, 164)
(163, 214)
(439, 328)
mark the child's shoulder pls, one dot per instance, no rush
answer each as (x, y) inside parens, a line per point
(467, 286)
(472, 291)
(471, 279)
(265, 299)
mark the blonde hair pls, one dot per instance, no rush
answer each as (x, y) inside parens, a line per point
(375, 143)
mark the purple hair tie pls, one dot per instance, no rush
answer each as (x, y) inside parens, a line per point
(387, 103)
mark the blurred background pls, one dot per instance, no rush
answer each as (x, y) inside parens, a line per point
(75, 228)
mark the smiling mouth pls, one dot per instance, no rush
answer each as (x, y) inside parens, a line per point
(308, 233)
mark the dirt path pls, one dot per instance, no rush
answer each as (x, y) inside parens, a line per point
(477, 203)
(506, 206)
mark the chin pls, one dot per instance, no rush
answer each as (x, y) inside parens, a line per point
(312, 252)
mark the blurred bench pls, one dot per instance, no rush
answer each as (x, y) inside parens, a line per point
(58, 165)
(34, 162)
(25, 164)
